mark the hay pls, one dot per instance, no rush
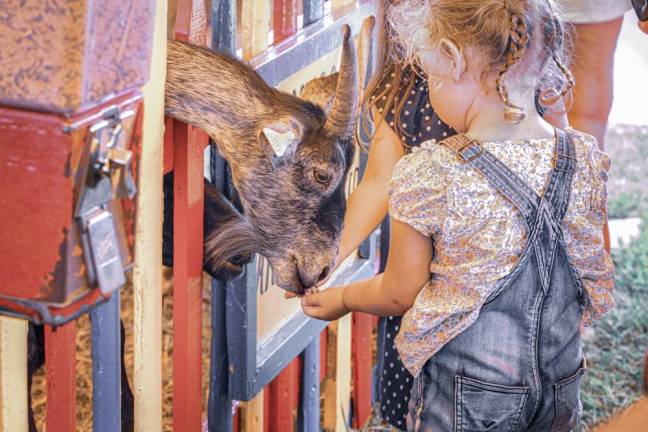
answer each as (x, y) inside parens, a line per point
(84, 359)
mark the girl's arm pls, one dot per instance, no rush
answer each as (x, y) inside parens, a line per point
(367, 205)
(391, 293)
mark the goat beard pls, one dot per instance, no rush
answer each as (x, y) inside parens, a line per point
(232, 239)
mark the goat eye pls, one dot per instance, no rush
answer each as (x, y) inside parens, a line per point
(322, 177)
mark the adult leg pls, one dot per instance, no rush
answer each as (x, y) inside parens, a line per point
(592, 65)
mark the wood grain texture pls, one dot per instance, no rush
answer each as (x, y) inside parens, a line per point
(252, 414)
(147, 274)
(255, 26)
(284, 19)
(362, 328)
(13, 374)
(60, 352)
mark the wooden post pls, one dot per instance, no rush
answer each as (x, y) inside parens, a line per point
(147, 274)
(13, 374)
(187, 276)
(284, 398)
(252, 414)
(313, 11)
(284, 19)
(255, 26)
(337, 384)
(361, 352)
(309, 411)
(188, 192)
(60, 352)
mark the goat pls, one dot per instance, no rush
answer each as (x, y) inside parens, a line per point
(289, 158)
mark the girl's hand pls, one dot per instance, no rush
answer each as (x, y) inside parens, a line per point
(325, 305)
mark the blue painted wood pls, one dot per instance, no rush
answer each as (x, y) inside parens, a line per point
(308, 417)
(313, 11)
(298, 51)
(106, 366)
(254, 365)
(224, 26)
(219, 405)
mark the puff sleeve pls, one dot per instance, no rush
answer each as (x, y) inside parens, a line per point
(417, 191)
(583, 228)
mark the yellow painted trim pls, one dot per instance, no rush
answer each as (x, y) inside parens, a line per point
(147, 274)
(252, 414)
(255, 26)
(343, 373)
(13, 375)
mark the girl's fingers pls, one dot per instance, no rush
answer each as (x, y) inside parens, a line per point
(311, 300)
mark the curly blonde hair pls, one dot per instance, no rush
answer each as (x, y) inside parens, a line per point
(518, 39)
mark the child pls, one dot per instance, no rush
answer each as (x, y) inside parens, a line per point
(496, 252)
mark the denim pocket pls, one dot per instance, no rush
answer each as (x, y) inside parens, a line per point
(481, 406)
(568, 404)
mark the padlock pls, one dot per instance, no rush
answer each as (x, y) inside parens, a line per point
(107, 157)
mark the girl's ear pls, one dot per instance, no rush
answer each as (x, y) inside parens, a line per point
(455, 57)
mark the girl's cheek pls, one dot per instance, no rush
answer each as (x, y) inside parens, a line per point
(447, 105)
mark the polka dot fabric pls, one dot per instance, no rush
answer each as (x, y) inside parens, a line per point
(418, 123)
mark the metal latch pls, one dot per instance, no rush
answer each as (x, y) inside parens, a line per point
(107, 174)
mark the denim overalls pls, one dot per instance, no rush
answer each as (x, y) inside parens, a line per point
(518, 367)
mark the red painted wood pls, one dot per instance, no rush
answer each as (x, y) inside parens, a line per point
(284, 398)
(236, 421)
(361, 329)
(60, 352)
(187, 276)
(284, 19)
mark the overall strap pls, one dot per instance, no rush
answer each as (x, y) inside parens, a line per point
(564, 165)
(497, 174)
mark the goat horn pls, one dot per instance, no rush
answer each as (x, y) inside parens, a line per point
(341, 120)
(364, 52)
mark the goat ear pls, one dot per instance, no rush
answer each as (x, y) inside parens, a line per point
(321, 91)
(281, 139)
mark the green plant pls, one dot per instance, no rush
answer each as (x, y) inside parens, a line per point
(615, 350)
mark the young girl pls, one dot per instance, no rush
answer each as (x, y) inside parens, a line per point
(496, 252)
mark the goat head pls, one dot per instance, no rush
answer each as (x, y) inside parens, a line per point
(289, 158)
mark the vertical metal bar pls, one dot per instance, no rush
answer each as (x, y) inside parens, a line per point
(309, 411)
(106, 366)
(284, 21)
(313, 11)
(187, 276)
(13, 374)
(224, 26)
(220, 404)
(60, 352)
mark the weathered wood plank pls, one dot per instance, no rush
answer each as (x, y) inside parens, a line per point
(13, 374)
(255, 23)
(147, 274)
(60, 352)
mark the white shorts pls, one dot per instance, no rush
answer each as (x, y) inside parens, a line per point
(592, 11)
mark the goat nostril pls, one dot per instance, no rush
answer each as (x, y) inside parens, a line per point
(324, 274)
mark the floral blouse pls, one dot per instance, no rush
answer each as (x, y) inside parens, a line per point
(478, 234)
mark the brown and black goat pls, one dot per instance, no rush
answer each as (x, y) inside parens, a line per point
(289, 157)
